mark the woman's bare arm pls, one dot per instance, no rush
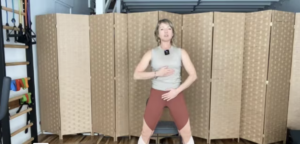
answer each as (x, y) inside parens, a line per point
(139, 72)
(189, 67)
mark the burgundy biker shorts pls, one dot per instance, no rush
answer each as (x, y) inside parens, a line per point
(156, 104)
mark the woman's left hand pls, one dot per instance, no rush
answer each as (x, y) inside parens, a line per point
(170, 95)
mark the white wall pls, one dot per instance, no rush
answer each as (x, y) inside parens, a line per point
(100, 6)
(38, 7)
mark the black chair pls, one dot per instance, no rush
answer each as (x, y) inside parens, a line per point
(4, 99)
(4, 96)
(166, 127)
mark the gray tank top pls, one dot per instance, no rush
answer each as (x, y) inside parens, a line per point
(173, 61)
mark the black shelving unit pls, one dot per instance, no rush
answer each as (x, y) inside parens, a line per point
(5, 122)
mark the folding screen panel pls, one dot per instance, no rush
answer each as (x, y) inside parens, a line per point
(228, 46)
(141, 38)
(197, 41)
(102, 73)
(177, 22)
(266, 75)
(121, 73)
(74, 68)
(281, 46)
(294, 100)
(47, 61)
(256, 51)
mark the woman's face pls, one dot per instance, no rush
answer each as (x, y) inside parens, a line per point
(165, 32)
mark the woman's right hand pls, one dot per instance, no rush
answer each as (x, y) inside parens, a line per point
(164, 71)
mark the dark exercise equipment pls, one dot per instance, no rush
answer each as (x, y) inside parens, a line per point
(24, 34)
(13, 20)
(4, 96)
(4, 100)
(7, 38)
(29, 105)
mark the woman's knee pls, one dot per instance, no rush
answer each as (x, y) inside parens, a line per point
(186, 135)
(186, 132)
(145, 135)
(146, 131)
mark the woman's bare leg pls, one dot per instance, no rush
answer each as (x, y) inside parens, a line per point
(180, 115)
(146, 134)
(153, 112)
(186, 134)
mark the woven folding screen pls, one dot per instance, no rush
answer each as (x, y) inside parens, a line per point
(102, 73)
(256, 50)
(73, 52)
(121, 72)
(47, 61)
(243, 62)
(65, 109)
(294, 109)
(227, 67)
(266, 75)
(197, 41)
(141, 38)
(281, 47)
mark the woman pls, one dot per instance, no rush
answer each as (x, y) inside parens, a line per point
(166, 61)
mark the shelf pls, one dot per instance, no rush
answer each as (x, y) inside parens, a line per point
(15, 46)
(10, 28)
(14, 103)
(10, 10)
(29, 141)
(28, 78)
(20, 113)
(22, 129)
(15, 98)
(17, 63)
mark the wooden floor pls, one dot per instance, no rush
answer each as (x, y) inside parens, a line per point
(80, 139)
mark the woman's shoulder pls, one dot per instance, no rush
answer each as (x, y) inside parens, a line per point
(151, 50)
(181, 51)
(154, 49)
(178, 49)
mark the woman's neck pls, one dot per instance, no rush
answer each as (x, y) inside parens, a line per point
(165, 45)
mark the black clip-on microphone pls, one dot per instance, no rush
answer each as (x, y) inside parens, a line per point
(167, 52)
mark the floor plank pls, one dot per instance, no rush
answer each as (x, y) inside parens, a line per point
(122, 141)
(42, 137)
(90, 140)
(56, 141)
(127, 141)
(104, 140)
(99, 140)
(133, 140)
(72, 139)
(81, 139)
(50, 138)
